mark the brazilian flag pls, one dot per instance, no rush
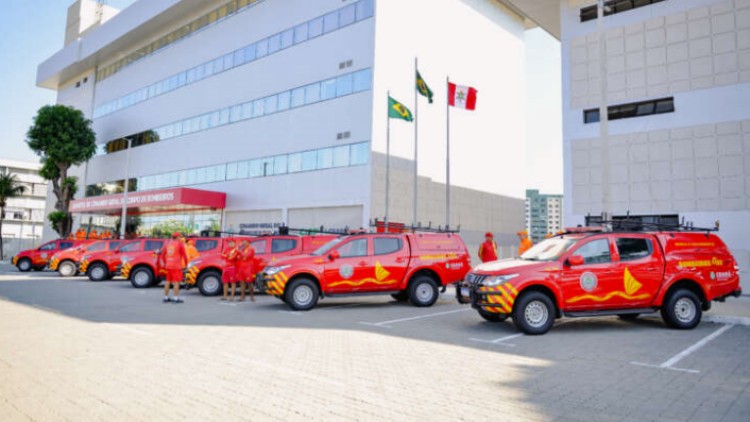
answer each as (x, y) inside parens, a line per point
(423, 89)
(396, 110)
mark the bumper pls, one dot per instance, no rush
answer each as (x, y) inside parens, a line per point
(14, 260)
(497, 299)
(53, 264)
(272, 284)
(190, 275)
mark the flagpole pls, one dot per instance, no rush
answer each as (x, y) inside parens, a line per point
(416, 142)
(447, 156)
(387, 161)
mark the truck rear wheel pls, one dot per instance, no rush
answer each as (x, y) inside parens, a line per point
(24, 265)
(142, 277)
(67, 269)
(423, 291)
(534, 313)
(209, 283)
(301, 294)
(492, 316)
(682, 310)
(98, 272)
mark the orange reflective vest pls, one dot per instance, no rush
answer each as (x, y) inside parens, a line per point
(525, 245)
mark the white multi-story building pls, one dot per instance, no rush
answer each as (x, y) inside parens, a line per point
(24, 215)
(282, 106)
(676, 143)
(544, 214)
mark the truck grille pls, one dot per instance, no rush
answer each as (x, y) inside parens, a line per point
(474, 279)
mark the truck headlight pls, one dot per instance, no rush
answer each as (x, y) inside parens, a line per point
(274, 270)
(498, 280)
(193, 263)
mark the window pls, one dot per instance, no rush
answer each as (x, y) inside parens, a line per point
(131, 247)
(629, 110)
(347, 15)
(312, 93)
(328, 90)
(325, 158)
(283, 245)
(344, 85)
(98, 246)
(356, 247)
(113, 245)
(612, 7)
(362, 80)
(359, 154)
(274, 44)
(595, 252)
(295, 162)
(259, 246)
(261, 48)
(341, 156)
(315, 28)
(300, 33)
(331, 22)
(386, 245)
(279, 164)
(152, 245)
(298, 97)
(282, 102)
(203, 245)
(631, 248)
(65, 245)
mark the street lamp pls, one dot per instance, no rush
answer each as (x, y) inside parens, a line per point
(124, 216)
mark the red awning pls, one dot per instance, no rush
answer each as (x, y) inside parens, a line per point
(155, 201)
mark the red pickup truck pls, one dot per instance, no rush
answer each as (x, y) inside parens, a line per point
(406, 266)
(142, 268)
(66, 262)
(625, 273)
(104, 265)
(205, 272)
(37, 259)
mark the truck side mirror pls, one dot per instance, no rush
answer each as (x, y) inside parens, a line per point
(334, 255)
(575, 260)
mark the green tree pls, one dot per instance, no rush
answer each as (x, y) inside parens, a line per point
(9, 188)
(62, 137)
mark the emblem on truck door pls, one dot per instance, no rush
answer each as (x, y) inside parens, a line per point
(346, 271)
(589, 281)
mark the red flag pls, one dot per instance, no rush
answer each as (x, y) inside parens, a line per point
(462, 96)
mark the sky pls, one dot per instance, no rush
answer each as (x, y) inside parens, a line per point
(32, 34)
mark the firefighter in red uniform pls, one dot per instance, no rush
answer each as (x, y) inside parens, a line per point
(488, 249)
(246, 270)
(229, 272)
(173, 259)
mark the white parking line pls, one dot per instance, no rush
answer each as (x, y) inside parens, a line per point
(669, 363)
(384, 324)
(500, 340)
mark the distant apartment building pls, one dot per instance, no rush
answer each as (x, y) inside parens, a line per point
(24, 215)
(543, 214)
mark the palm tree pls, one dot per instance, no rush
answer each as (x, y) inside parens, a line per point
(9, 188)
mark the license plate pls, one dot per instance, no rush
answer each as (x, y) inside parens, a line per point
(465, 292)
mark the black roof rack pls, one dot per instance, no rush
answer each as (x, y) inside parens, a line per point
(403, 228)
(627, 225)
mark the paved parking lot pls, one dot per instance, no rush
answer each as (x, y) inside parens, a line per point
(75, 350)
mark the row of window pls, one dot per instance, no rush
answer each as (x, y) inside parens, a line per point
(341, 86)
(630, 110)
(612, 7)
(311, 29)
(318, 159)
(629, 249)
(216, 15)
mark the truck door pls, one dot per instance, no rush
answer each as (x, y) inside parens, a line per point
(641, 267)
(43, 254)
(593, 284)
(391, 260)
(352, 271)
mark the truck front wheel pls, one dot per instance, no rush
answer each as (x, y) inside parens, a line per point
(142, 277)
(534, 313)
(67, 269)
(98, 272)
(209, 283)
(301, 294)
(682, 310)
(24, 265)
(423, 291)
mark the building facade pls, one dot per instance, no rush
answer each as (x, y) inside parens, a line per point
(25, 215)
(282, 105)
(543, 214)
(676, 144)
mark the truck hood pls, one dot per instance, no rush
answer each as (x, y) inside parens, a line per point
(509, 264)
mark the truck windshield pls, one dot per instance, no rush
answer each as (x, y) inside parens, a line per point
(328, 246)
(549, 249)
